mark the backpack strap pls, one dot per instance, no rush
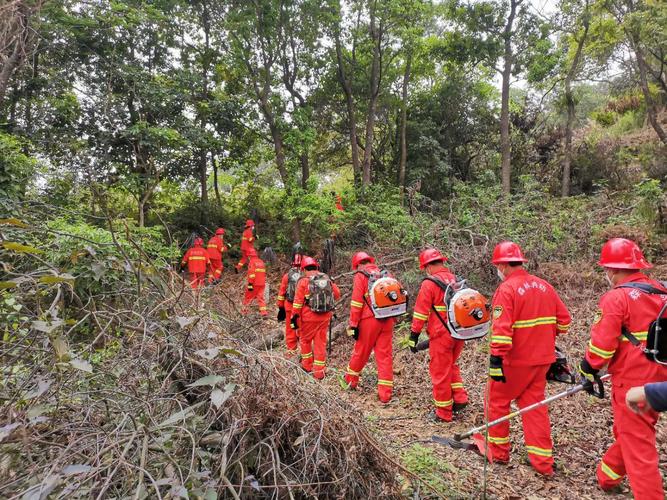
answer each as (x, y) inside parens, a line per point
(646, 288)
(444, 287)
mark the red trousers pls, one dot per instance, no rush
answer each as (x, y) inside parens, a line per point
(244, 259)
(374, 335)
(197, 280)
(216, 270)
(291, 339)
(526, 385)
(446, 375)
(313, 342)
(633, 453)
(256, 294)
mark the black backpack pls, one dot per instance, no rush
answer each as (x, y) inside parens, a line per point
(656, 340)
(293, 277)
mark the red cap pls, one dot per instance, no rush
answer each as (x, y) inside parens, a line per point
(249, 223)
(219, 231)
(307, 262)
(507, 251)
(621, 253)
(199, 242)
(359, 257)
(429, 256)
(251, 252)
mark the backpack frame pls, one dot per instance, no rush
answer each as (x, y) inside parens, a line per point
(384, 312)
(656, 340)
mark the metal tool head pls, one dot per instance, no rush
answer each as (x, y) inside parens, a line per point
(454, 443)
(477, 445)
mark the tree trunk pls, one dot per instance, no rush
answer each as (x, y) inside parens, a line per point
(404, 121)
(569, 99)
(305, 169)
(29, 91)
(567, 153)
(505, 145)
(141, 206)
(8, 69)
(279, 149)
(216, 186)
(372, 101)
(349, 101)
(18, 37)
(206, 62)
(651, 110)
(203, 183)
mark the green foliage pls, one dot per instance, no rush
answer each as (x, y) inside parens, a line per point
(379, 220)
(16, 168)
(604, 118)
(89, 258)
(426, 464)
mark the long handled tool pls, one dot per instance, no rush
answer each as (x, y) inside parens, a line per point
(458, 443)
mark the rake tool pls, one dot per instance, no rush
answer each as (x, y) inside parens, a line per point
(457, 441)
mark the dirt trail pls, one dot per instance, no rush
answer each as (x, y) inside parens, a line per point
(581, 425)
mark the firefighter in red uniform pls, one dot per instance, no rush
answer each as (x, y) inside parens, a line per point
(311, 326)
(197, 261)
(247, 242)
(256, 283)
(371, 334)
(339, 203)
(449, 395)
(527, 315)
(626, 308)
(285, 304)
(216, 247)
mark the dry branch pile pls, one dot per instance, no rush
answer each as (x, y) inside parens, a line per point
(147, 396)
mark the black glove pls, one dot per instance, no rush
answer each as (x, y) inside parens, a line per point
(589, 376)
(250, 287)
(414, 338)
(294, 322)
(560, 371)
(353, 331)
(281, 314)
(496, 369)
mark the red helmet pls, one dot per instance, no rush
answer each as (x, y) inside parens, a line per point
(507, 251)
(199, 242)
(249, 223)
(620, 253)
(359, 257)
(219, 231)
(307, 262)
(429, 256)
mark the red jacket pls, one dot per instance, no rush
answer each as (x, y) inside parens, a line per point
(197, 259)
(283, 301)
(257, 272)
(215, 248)
(282, 291)
(248, 240)
(360, 302)
(635, 310)
(300, 305)
(431, 295)
(527, 315)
